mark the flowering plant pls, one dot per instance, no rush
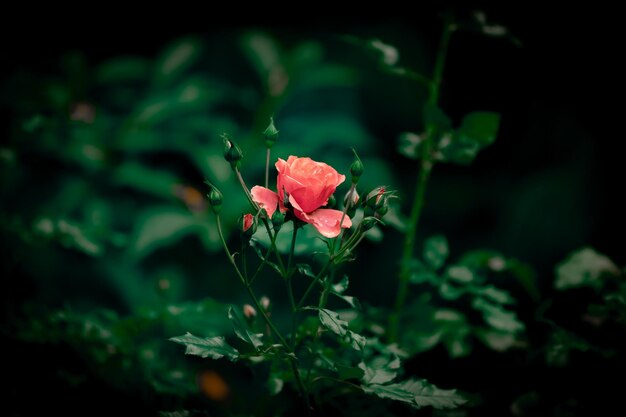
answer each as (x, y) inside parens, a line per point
(305, 196)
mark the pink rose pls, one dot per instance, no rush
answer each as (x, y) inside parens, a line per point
(307, 185)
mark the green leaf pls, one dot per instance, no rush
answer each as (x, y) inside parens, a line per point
(156, 182)
(208, 347)
(305, 269)
(177, 58)
(496, 340)
(449, 291)
(417, 393)
(436, 251)
(242, 331)
(420, 273)
(353, 301)
(497, 317)
(410, 145)
(481, 127)
(161, 226)
(460, 274)
(275, 385)
(341, 286)
(436, 117)
(357, 341)
(380, 371)
(584, 267)
(494, 294)
(458, 149)
(349, 372)
(330, 319)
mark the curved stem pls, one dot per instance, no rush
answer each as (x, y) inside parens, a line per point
(426, 167)
(268, 321)
(246, 190)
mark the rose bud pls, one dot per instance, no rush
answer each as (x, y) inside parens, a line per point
(232, 152)
(247, 225)
(248, 311)
(356, 169)
(368, 222)
(215, 198)
(270, 134)
(278, 219)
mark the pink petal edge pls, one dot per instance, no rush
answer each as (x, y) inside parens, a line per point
(265, 198)
(326, 221)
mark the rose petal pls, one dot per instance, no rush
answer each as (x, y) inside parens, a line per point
(265, 198)
(326, 221)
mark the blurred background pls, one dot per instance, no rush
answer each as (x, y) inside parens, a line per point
(107, 245)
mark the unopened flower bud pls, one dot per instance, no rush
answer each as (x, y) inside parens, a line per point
(368, 222)
(247, 225)
(352, 198)
(248, 311)
(265, 303)
(375, 197)
(270, 134)
(215, 199)
(382, 209)
(232, 152)
(278, 219)
(356, 169)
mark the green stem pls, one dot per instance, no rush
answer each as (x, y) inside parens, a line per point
(345, 210)
(426, 167)
(246, 190)
(292, 249)
(328, 283)
(268, 321)
(316, 280)
(288, 276)
(264, 260)
(267, 167)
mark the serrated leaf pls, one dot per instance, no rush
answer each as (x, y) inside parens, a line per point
(357, 341)
(584, 267)
(242, 331)
(330, 319)
(380, 372)
(436, 251)
(417, 393)
(208, 347)
(481, 127)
